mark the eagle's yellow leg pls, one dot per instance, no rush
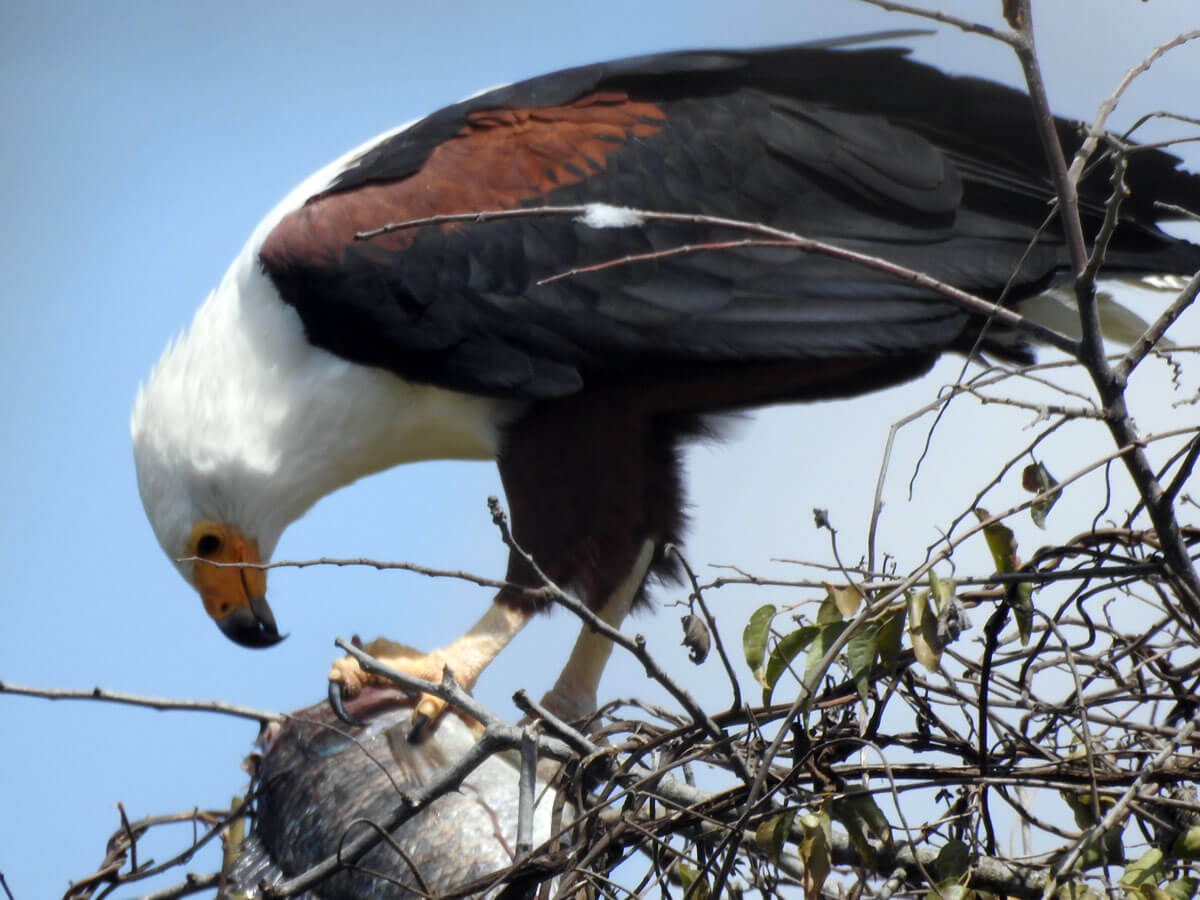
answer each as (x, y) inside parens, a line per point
(574, 693)
(466, 658)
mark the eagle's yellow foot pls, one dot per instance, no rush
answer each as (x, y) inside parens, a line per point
(466, 658)
(347, 679)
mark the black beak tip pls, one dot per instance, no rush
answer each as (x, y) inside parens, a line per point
(245, 629)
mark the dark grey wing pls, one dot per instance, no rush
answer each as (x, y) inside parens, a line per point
(864, 149)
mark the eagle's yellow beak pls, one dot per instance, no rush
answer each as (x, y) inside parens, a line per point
(234, 594)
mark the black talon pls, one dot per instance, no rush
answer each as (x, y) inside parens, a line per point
(339, 708)
(417, 732)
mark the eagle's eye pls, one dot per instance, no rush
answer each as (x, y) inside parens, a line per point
(208, 545)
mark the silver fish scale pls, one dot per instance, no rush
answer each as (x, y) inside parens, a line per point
(313, 783)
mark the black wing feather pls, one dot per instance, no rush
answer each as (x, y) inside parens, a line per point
(864, 148)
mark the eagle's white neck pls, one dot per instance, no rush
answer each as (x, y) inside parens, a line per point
(243, 421)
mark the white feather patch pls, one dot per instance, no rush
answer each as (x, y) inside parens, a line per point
(601, 215)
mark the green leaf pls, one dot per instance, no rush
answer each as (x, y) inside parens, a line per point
(1187, 845)
(783, 654)
(922, 631)
(828, 612)
(860, 816)
(863, 806)
(815, 854)
(847, 599)
(1003, 546)
(1114, 845)
(687, 877)
(1110, 848)
(858, 838)
(1081, 806)
(1036, 479)
(1020, 597)
(772, 834)
(818, 648)
(947, 890)
(1001, 542)
(861, 651)
(1076, 890)
(891, 635)
(754, 638)
(940, 591)
(1146, 869)
(1183, 888)
(952, 861)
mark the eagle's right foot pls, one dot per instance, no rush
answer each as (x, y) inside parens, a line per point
(347, 679)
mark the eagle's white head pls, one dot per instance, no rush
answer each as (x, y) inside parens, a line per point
(222, 446)
(243, 425)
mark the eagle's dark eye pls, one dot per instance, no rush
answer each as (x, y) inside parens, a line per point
(208, 545)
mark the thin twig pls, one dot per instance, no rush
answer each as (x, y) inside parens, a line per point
(1184, 472)
(526, 786)
(1096, 129)
(1109, 384)
(1154, 334)
(1117, 811)
(160, 703)
(382, 565)
(961, 24)
(192, 884)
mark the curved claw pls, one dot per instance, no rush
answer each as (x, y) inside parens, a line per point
(336, 703)
(419, 729)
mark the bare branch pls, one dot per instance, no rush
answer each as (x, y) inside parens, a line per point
(192, 884)
(961, 24)
(1096, 129)
(381, 565)
(160, 703)
(1118, 809)
(1157, 329)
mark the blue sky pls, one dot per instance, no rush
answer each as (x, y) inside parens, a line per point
(142, 144)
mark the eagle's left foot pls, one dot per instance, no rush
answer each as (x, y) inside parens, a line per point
(347, 679)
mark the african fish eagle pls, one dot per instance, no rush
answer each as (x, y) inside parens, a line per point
(322, 357)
